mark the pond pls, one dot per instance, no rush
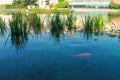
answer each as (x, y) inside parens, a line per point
(59, 47)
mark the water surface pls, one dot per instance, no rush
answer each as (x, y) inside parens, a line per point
(43, 57)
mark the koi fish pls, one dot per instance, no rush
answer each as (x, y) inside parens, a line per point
(82, 55)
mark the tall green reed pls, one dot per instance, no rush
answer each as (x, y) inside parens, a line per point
(35, 22)
(88, 26)
(57, 27)
(71, 22)
(98, 24)
(2, 26)
(93, 25)
(19, 32)
(18, 24)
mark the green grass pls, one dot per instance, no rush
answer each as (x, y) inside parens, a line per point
(61, 11)
(60, 5)
(18, 6)
(113, 15)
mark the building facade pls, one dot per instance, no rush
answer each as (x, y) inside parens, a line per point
(89, 3)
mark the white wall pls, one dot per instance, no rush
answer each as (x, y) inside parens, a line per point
(5, 2)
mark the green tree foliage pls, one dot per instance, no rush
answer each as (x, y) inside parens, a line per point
(61, 0)
(61, 5)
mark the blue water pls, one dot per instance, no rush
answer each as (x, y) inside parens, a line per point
(43, 58)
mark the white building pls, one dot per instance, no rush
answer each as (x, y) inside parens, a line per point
(89, 3)
(2, 2)
(46, 3)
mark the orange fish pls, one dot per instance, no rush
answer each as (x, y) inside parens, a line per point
(82, 55)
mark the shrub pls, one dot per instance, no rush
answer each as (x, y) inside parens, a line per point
(60, 5)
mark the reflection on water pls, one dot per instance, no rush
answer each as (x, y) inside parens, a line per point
(18, 29)
(2, 26)
(82, 53)
(58, 26)
(93, 25)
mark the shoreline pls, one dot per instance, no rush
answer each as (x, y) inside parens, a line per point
(74, 10)
(93, 10)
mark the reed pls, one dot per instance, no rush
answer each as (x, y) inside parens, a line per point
(35, 22)
(57, 27)
(71, 22)
(2, 26)
(93, 25)
(88, 27)
(98, 24)
(18, 25)
(19, 32)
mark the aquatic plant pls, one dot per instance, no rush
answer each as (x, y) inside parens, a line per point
(19, 32)
(88, 26)
(18, 25)
(57, 27)
(35, 22)
(19, 40)
(93, 25)
(71, 22)
(2, 26)
(98, 24)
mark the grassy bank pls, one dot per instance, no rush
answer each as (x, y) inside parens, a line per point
(113, 15)
(114, 5)
(47, 11)
(12, 6)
